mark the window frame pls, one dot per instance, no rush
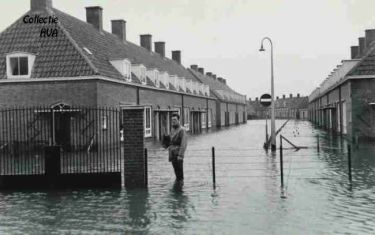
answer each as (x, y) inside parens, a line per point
(18, 55)
(148, 130)
(203, 119)
(187, 118)
(104, 122)
(209, 118)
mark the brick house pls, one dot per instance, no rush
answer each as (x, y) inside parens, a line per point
(80, 64)
(344, 101)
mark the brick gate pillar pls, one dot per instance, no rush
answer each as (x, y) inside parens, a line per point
(134, 161)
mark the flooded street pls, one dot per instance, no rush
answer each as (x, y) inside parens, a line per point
(317, 199)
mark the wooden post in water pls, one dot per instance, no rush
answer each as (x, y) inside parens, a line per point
(281, 162)
(350, 163)
(213, 168)
(146, 167)
(318, 147)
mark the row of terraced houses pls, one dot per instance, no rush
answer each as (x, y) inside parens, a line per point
(344, 102)
(85, 66)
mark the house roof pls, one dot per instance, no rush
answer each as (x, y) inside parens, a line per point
(366, 66)
(56, 57)
(68, 54)
(215, 86)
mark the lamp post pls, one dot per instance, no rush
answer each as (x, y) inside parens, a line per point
(273, 136)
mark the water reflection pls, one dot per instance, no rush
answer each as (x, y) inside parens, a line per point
(139, 216)
(178, 205)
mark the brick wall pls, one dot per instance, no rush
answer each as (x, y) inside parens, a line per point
(26, 94)
(134, 148)
(363, 114)
(113, 94)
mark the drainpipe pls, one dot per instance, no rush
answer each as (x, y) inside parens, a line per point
(340, 107)
(227, 124)
(138, 96)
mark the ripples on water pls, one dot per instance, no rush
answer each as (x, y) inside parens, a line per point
(247, 200)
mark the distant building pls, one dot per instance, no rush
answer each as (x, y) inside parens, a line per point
(285, 108)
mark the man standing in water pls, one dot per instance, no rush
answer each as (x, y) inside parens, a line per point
(177, 147)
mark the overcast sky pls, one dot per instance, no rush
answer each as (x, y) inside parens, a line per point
(310, 37)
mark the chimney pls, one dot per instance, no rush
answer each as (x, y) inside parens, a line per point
(176, 56)
(283, 96)
(362, 47)
(277, 97)
(201, 70)
(214, 76)
(160, 48)
(370, 37)
(256, 99)
(209, 74)
(354, 51)
(119, 29)
(94, 16)
(290, 95)
(36, 5)
(146, 40)
(298, 95)
(194, 67)
(220, 79)
(224, 81)
(249, 99)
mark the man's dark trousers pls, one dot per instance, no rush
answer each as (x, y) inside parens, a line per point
(178, 167)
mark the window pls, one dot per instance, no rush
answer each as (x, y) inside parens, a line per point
(203, 119)
(19, 65)
(147, 120)
(104, 122)
(209, 117)
(187, 118)
(124, 67)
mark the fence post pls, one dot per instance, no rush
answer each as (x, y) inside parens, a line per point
(213, 168)
(350, 163)
(318, 147)
(281, 162)
(146, 168)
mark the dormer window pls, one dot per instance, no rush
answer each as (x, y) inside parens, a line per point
(182, 84)
(189, 85)
(207, 90)
(201, 88)
(19, 65)
(164, 78)
(124, 67)
(174, 82)
(153, 74)
(195, 87)
(140, 71)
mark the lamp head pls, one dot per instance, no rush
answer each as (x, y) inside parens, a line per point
(261, 48)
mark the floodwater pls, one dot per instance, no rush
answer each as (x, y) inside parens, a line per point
(317, 197)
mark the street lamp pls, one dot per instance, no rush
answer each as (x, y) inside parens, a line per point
(273, 136)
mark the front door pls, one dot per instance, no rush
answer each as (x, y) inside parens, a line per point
(62, 129)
